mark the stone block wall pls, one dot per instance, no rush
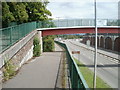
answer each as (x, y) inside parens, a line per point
(24, 54)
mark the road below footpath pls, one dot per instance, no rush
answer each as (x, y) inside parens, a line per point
(107, 68)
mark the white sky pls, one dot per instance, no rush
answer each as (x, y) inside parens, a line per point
(106, 9)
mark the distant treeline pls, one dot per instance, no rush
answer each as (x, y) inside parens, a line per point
(75, 36)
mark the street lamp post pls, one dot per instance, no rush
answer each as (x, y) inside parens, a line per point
(95, 58)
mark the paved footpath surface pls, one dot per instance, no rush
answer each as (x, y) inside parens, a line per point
(39, 73)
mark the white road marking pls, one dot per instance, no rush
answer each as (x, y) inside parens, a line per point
(101, 64)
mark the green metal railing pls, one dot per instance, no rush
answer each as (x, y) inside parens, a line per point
(10, 35)
(13, 34)
(76, 78)
(39, 24)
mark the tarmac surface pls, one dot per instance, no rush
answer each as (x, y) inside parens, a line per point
(107, 68)
(40, 72)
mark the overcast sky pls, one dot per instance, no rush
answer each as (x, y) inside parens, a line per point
(106, 9)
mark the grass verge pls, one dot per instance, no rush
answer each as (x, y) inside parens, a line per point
(88, 76)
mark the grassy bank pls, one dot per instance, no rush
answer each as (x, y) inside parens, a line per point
(88, 76)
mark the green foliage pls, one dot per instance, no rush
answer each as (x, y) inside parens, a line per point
(22, 12)
(48, 44)
(9, 70)
(37, 11)
(49, 37)
(19, 11)
(69, 36)
(88, 76)
(7, 16)
(36, 41)
(36, 49)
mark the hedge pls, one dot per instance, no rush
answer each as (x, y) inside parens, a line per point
(48, 44)
(36, 49)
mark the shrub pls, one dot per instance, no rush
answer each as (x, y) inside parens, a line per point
(9, 70)
(48, 45)
(36, 41)
(36, 49)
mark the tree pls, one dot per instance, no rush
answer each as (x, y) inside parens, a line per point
(19, 11)
(22, 12)
(7, 16)
(37, 11)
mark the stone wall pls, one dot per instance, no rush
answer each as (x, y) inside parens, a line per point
(19, 52)
(24, 54)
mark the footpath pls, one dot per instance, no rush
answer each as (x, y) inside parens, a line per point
(40, 72)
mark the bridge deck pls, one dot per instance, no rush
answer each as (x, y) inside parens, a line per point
(39, 73)
(78, 30)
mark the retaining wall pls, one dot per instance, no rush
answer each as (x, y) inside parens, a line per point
(20, 52)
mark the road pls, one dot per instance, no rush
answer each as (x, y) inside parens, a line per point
(107, 68)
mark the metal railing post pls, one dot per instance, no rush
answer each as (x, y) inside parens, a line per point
(19, 32)
(10, 35)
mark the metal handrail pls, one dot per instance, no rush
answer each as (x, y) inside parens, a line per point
(11, 35)
(76, 77)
